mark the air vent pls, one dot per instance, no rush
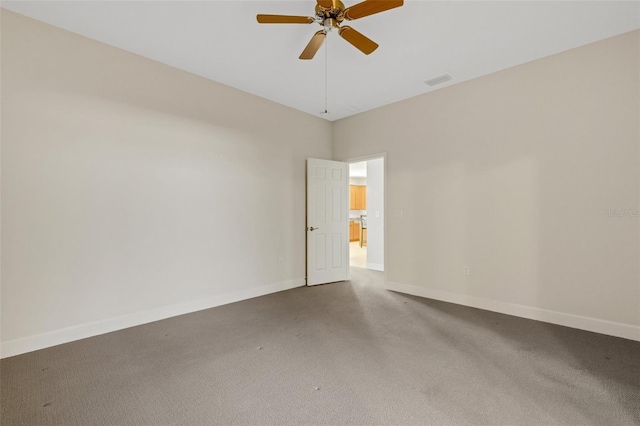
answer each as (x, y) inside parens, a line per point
(439, 80)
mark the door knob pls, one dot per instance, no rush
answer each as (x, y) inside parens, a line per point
(313, 229)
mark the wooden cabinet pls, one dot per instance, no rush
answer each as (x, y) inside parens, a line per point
(357, 197)
(355, 234)
(354, 231)
(352, 197)
(361, 198)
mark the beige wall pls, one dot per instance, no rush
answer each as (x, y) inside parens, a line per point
(129, 186)
(512, 174)
(133, 191)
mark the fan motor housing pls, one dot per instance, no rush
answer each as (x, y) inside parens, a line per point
(335, 13)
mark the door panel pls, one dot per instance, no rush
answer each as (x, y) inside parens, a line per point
(320, 253)
(327, 221)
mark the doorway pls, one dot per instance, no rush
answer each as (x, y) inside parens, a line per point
(366, 213)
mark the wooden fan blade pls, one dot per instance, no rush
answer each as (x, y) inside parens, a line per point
(370, 7)
(362, 43)
(284, 19)
(313, 46)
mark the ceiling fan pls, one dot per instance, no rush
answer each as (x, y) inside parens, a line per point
(330, 14)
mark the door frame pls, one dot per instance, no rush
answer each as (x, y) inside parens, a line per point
(382, 155)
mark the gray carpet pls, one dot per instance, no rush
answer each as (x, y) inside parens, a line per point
(345, 353)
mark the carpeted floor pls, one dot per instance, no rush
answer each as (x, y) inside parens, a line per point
(334, 354)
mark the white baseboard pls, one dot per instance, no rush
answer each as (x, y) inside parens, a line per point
(375, 266)
(611, 328)
(82, 331)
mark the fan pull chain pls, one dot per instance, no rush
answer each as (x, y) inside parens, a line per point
(326, 78)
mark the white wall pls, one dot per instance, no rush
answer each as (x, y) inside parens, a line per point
(375, 214)
(133, 191)
(513, 174)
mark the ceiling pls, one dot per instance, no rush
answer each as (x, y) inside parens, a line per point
(222, 41)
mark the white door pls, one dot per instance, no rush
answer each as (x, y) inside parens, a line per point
(327, 221)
